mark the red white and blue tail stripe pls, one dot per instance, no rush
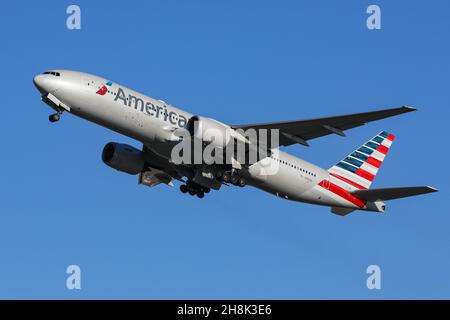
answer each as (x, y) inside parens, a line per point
(358, 169)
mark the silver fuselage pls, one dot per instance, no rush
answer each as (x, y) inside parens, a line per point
(144, 121)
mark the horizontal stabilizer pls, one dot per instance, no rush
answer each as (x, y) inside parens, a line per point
(392, 193)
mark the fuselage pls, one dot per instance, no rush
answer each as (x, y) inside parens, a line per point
(145, 119)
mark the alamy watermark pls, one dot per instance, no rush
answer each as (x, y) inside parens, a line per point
(73, 281)
(374, 280)
(73, 21)
(373, 22)
(221, 145)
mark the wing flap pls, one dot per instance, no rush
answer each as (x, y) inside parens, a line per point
(153, 177)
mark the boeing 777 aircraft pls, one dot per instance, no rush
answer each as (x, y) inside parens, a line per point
(345, 187)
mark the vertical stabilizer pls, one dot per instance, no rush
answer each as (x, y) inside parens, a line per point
(358, 170)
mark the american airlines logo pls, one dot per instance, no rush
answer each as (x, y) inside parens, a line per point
(148, 107)
(104, 89)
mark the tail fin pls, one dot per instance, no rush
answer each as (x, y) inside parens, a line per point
(358, 169)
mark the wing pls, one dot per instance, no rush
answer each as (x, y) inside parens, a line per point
(301, 131)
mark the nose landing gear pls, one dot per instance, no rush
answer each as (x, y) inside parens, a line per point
(55, 117)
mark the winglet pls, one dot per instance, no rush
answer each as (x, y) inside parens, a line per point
(409, 108)
(431, 189)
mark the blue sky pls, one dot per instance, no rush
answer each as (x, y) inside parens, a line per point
(239, 62)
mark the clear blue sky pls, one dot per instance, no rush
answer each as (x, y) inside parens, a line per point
(239, 62)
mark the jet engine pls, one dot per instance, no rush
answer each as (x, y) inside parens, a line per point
(123, 157)
(210, 131)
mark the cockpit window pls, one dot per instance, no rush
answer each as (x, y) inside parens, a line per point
(53, 73)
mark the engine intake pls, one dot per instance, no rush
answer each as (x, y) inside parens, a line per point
(123, 157)
(209, 131)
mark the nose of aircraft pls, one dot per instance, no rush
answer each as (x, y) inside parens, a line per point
(44, 83)
(39, 83)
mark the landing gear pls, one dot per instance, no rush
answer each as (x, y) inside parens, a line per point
(200, 194)
(54, 117)
(194, 189)
(238, 181)
(226, 176)
(219, 173)
(233, 178)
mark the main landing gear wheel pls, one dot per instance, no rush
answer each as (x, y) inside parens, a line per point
(54, 117)
(234, 179)
(226, 176)
(194, 189)
(183, 188)
(200, 194)
(219, 173)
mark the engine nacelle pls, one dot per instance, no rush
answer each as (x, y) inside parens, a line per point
(123, 157)
(210, 131)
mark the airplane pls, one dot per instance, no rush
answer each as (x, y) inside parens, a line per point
(345, 187)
